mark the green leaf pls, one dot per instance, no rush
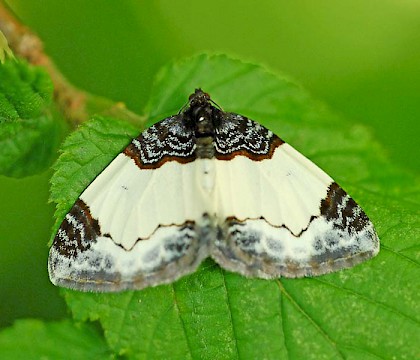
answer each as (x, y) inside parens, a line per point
(29, 136)
(33, 339)
(370, 311)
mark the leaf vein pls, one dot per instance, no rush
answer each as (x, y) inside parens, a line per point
(387, 307)
(310, 319)
(230, 313)
(187, 338)
(282, 312)
(397, 253)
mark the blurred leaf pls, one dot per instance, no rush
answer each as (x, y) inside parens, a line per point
(25, 91)
(29, 135)
(214, 314)
(33, 339)
(4, 49)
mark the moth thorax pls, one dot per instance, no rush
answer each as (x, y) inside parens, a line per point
(205, 147)
(203, 122)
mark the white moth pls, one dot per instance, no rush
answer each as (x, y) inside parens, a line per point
(206, 183)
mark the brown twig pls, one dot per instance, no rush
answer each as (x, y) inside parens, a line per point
(74, 103)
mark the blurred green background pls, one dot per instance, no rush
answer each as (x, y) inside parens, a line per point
(360, 57)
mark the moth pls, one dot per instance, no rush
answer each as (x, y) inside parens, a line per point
(207, 183)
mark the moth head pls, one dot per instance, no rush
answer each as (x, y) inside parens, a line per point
(199, 97)
(201, 114)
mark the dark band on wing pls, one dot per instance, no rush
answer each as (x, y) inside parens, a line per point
(174, 139)
(250, 153)
(167, 140)
(342, 210)
(237, 135)
(77, 232)
(144, 161)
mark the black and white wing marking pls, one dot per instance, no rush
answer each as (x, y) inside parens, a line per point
(236, 135)
(278, 213)
(122, 232)
(167, 140)
(207, 183)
